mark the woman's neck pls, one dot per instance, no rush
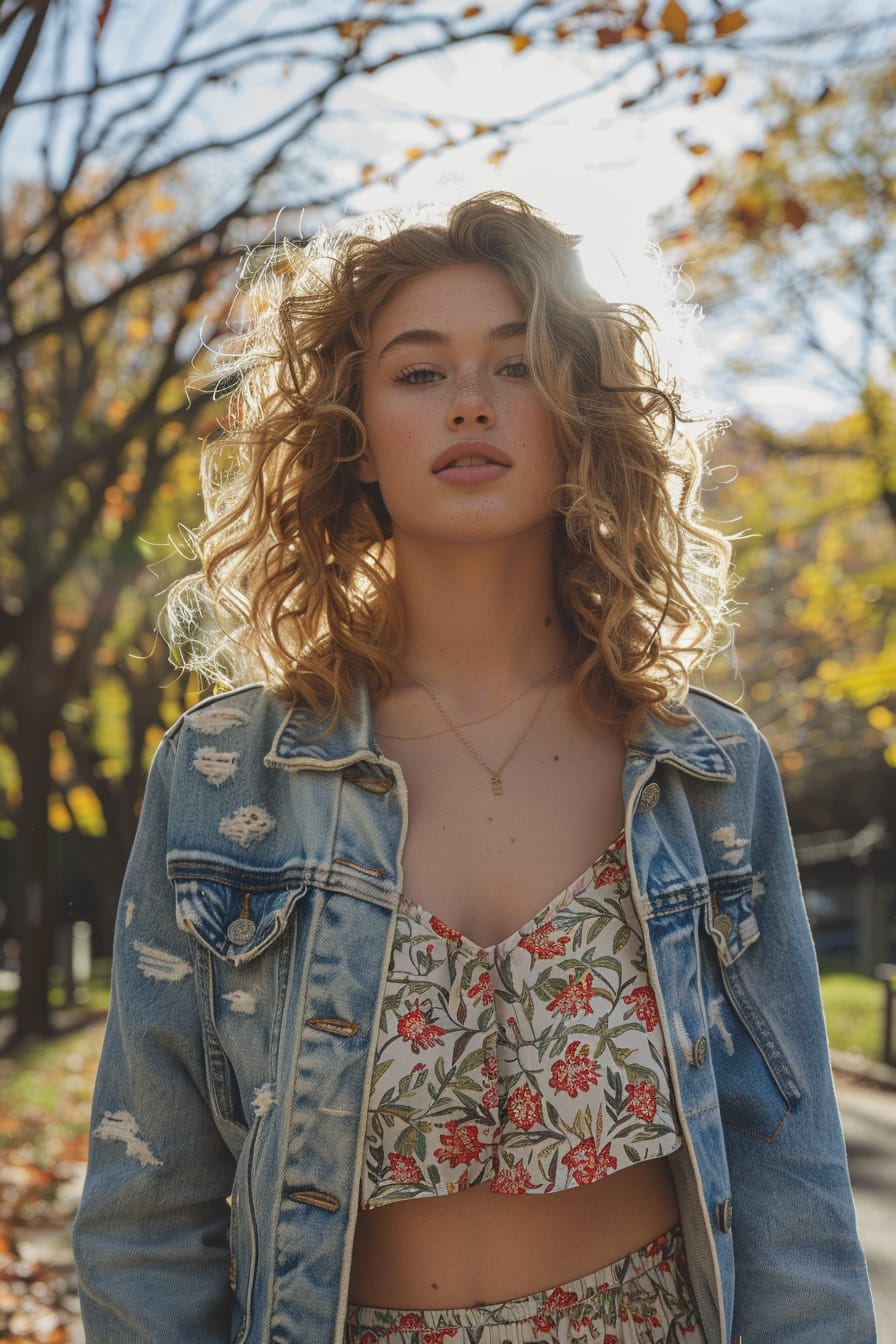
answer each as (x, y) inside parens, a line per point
(482, 621)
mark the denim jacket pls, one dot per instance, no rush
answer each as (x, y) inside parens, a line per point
(251, 956)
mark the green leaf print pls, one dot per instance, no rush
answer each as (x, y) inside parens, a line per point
(620, 938)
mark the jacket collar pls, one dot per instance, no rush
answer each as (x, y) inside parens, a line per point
(688, 744)
(298, 743)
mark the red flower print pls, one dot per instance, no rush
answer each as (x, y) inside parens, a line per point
(560, 1298)
(610, 874)
(610, 1339)
(540, 946)
(459, 1144)
(512, 1181)
(410, 1321)
(655, 1246)
(586, 1164)
(524, 1107)
(483, 987)
(404, 1170)
(491, 1096)
(414, 1027)
(576, 996)
(490, 1067)
(575, 1072)
(644, 1000)
(368, 1337)
(437, 1336)
(642, 1100)
(445, 930)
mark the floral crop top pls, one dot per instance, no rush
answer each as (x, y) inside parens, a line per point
(535, 1065)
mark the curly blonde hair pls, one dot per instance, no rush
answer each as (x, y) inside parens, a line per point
(297, 575)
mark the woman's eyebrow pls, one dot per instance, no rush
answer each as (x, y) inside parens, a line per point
(426, 336)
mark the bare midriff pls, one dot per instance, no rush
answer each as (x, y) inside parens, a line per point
(476, 1247)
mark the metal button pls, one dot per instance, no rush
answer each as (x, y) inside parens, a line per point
(699, 1058)
(724, 1214)
(650, 797)
(241, 931)
(723, 925)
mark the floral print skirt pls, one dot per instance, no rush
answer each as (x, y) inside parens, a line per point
(644, 1298)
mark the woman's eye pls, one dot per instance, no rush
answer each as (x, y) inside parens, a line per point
(516, 369)
(416, 376)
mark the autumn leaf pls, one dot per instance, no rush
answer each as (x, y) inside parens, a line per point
(413, 153)
(795, 213)
(471, 11)
(698, 149)
(700, 188)
(519, 42)
(674, 21)
(481, 128)
(714, 84)
(102, 16)
(608, 37)
(497, 155)
(368, 172)
(729, 22)
(749, 209)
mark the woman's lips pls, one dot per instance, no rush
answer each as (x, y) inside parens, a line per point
(484, 471)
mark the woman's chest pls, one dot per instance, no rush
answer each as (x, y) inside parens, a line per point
(486, 863)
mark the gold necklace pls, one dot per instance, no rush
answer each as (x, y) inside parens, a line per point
(495, 775)
(471, 723)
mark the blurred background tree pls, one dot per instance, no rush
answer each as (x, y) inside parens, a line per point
(790, 245)
(135, 164)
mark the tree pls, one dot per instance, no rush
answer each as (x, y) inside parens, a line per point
(130, 182)
(791, 249)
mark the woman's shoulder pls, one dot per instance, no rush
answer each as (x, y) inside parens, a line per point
(255, 709)
(718, 715)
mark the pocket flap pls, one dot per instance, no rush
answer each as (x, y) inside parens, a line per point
(236, 919)
(730, 918)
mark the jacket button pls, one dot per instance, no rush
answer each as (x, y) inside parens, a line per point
(241, 931)
(649, 798)
(724, 1213)
(699, 1056)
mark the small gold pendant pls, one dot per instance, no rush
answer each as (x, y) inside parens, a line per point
(497, 786)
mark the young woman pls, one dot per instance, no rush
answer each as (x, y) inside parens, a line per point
(463, 988)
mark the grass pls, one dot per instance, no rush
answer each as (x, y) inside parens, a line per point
(854, 1009)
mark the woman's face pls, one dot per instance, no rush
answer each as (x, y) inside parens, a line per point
(458, 439)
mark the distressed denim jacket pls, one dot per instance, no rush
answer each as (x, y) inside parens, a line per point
(251, 956)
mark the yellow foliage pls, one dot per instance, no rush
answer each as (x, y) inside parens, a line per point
(730, 22)
(881, 718)
(675, 21)
(57, 813)
(87, 810)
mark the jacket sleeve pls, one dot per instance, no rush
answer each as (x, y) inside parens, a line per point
(151, 1235)
(800, 1275)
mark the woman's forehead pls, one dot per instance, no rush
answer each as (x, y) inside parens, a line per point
(468, 294)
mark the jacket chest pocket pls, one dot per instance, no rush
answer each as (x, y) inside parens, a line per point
(243, 925)
(757, 1088)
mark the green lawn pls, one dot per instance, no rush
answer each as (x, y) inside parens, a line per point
(854, 1008)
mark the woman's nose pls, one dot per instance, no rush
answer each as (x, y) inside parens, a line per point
(471, 403)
